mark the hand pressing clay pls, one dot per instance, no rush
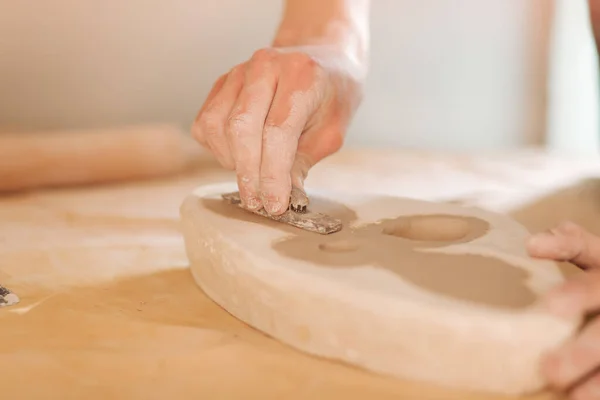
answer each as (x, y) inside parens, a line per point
(430, 292)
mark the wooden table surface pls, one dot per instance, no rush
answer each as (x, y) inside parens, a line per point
(109, 310)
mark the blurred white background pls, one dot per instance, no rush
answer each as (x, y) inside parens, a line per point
(451, 74)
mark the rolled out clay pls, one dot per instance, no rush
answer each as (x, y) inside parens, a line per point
(430, 292)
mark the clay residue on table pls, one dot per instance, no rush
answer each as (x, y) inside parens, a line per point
(394, 244)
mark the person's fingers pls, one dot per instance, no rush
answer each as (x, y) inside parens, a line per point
(299, 200)
(578, 296)
(294, 102)
(246, 122)
(315, 143)
(571, 365)
(197, 132)
(567, 242)
(214, 117)
(588, 390)
(302, 164)
(279, 143)
(319, 142)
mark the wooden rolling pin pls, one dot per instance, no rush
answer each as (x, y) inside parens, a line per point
(46, 159)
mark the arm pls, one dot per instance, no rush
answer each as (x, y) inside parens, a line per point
(342, 24)
(594, 6)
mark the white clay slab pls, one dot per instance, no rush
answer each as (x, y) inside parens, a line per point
(425, 291)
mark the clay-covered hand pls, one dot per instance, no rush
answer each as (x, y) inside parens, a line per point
(575, 366)
(274, 116)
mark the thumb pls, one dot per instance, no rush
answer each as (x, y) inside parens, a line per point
(313, 145)
(567, 242)
(299, 172)
(298, 198)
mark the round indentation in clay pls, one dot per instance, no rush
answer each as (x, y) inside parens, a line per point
(339, 246)
(430, 228)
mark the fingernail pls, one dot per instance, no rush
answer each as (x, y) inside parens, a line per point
(253, 203)
(273, 207)
(539, 243)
